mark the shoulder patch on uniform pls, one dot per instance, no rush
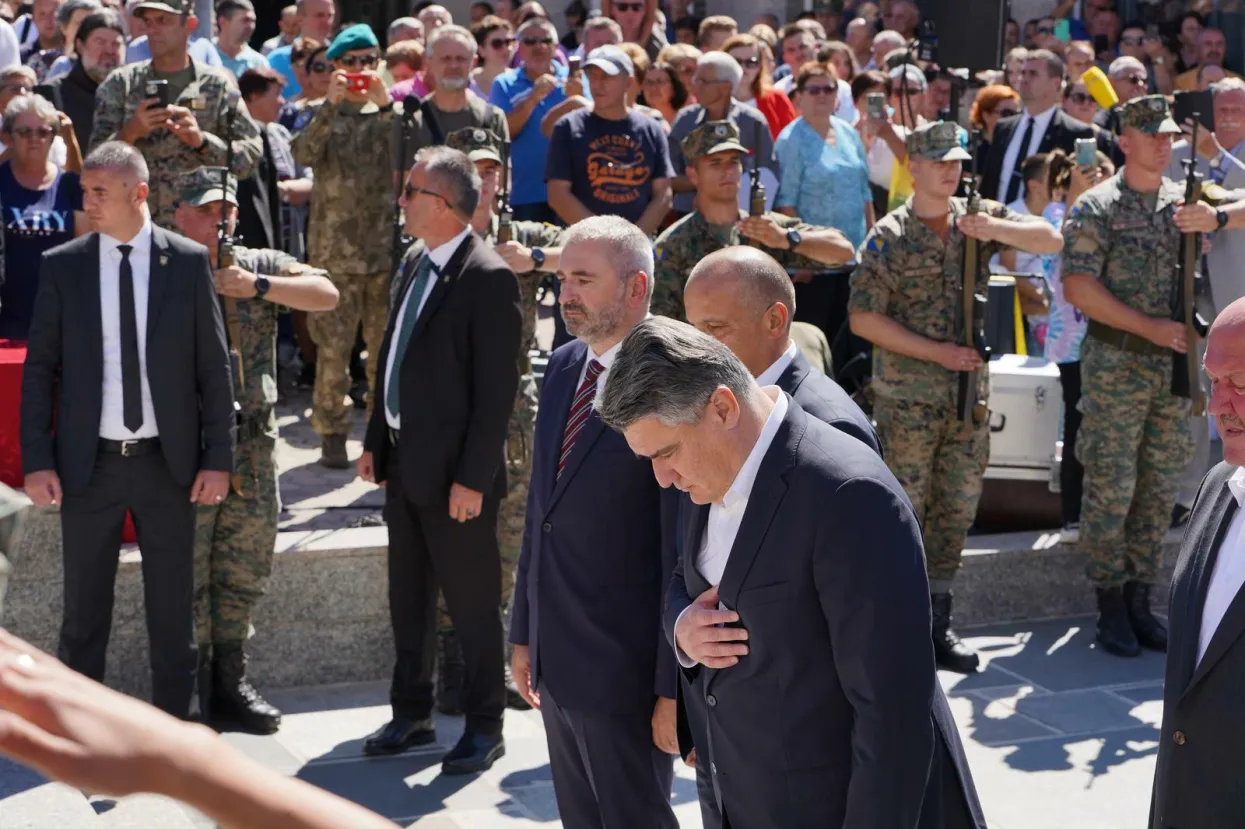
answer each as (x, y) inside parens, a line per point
(876, 244)
(296, 269)
(990, 204)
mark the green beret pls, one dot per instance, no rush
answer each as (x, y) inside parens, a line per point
(358, 36)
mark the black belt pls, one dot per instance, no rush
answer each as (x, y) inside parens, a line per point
(129, 448)
(1124, 340)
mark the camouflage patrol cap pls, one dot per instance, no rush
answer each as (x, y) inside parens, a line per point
(710, 138)
(1149, 114)
(182, 7)
(939, 141)
(203, 186)
(478, 144)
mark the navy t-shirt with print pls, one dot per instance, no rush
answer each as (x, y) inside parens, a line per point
(34, 221)
(610, 164)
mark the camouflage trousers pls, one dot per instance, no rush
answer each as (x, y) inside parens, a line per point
(234, 544)
(513, 509)
(1134, 442)
(364, 299)
(939, 461)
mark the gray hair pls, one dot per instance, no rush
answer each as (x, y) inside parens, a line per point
(66, 12)
(756, 273)
(891, 37)
(725, 67)
(604, 23)
(668, 370)
(542, 22)
(456, 173)
(25, 72)
(400, 24)
(908, 73)
(1228, 84)
(117, 157)
(453, 30)
(1123, 64)
(22, 104)
(625, 245)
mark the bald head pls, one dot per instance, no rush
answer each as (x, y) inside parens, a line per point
(1225, 366)
(745, 299)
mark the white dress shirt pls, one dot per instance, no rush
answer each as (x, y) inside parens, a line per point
(440, 257)
(725, 517)
(112, 412)
(606, 360)
(1015, 155)
(1229, 573)
(770, 376)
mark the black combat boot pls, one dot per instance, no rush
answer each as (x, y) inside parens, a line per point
(450, 674)
(949, 652)
(1115, 633)
(1149, 630)
(234, 701)
(203, 686)
(333, 452)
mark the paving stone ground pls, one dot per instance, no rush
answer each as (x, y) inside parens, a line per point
(1057, 734)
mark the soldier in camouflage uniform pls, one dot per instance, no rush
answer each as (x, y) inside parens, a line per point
(714, 157)
(904, 299)
(1119, 259)
(185, 135)
(234, 540)
(529, 242)
(346, 143)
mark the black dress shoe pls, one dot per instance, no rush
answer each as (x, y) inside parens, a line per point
(474, 752)
(399, 735)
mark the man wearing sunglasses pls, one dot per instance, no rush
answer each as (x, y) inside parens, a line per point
(1129, 80)
(173, 108)
(345, 143)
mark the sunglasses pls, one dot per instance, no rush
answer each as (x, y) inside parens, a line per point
(363, 61)
(1045, 30)
(819, 90)
(1131, 41)
(537, 41)
(1136, 80)
(1080, 98)
(34, 132)
(498, 44)
(1006, 112)
(748, 63)
(410, 191)
(629, 7)
(320, 67)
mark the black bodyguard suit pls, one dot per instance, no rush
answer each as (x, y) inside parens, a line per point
(457, 388)
(598, 550)
(1197, 781)
(192, 395)
(825, 400)
(830, 720)
(1061, 134)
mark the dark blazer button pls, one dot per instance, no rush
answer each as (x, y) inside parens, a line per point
(1179, 738)
(712, 700)
(547, 527)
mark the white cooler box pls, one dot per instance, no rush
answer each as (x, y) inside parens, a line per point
(1026, 405)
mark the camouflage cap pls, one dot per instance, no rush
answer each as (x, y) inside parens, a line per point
(939, 141)
(1149, 114)
(710, 138)
(203, 186)
(478, 144)
(172, 6)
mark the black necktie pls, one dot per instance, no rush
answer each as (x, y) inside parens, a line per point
(1014, 184)
(131, 375)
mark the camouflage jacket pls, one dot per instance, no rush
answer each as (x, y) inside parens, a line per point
(1127, 241)
(257, 320)
(906, 273)
(118, 98)
(347, 144)
(691, 239)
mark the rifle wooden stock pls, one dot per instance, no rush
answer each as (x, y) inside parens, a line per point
(756, 202)
(971, 319)
(504, 214)
(1186, 380)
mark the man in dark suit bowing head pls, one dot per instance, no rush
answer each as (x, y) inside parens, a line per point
(446, 378)
(745, 300)
(598, 550)
(799, 608)
(1197, 780)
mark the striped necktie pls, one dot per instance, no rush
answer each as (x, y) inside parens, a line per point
(581, 408)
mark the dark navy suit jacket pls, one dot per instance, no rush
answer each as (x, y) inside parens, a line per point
(825, 400)
(830, 720)
(598, 551)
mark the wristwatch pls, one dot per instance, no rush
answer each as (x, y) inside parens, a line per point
(793, 239)
(262, 284)
(1222, 218)
(538, 259)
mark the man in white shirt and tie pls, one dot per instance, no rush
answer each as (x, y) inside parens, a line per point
(1195, 783)
(127, 406)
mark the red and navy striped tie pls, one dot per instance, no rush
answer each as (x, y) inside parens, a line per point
(581, 409)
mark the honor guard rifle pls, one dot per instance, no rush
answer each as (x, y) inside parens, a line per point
(971, 314)
(1185, 372)
(504, 214)
(400, 241)
(225, 259)
(756, 203)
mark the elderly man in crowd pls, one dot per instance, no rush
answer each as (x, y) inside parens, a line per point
(315, 21)
(350, 204)
(100, 47)
(1211, 48)
(1129, 80)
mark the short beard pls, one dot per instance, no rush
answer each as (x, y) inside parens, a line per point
(98, 73)
(453, 84)
(592, 327)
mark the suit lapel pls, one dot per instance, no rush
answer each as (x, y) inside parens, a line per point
(1233, 622)
(90, 285)
(693, 534)
(559, 391)
(446, 281)
(794, 374)
(594, 427)
(158, 279)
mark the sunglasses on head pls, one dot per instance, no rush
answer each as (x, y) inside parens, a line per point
(537, 41)
(363, 61)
